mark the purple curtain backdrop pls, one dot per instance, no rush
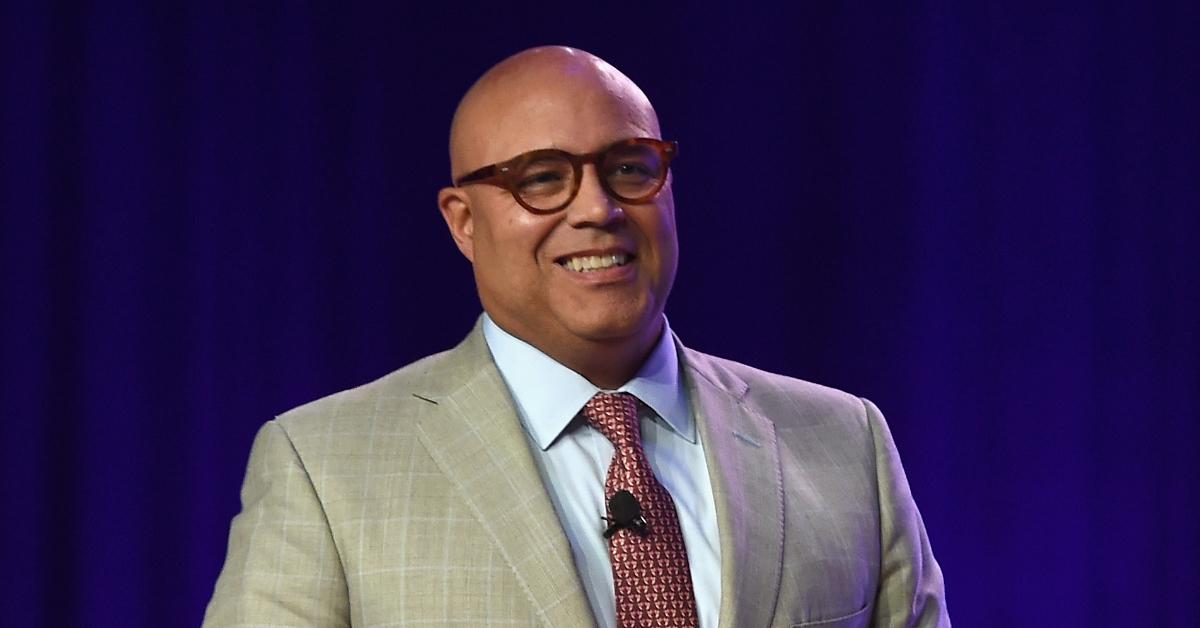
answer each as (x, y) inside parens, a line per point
(980, 215)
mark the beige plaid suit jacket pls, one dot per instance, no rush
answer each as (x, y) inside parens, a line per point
(415, 500)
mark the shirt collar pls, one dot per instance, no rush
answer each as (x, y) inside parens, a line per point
(548, 395)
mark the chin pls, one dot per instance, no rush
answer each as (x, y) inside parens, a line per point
(614, 327)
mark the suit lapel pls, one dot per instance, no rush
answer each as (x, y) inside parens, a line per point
(743, 460)
(473, 434)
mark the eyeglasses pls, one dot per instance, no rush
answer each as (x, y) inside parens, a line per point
(547, 180)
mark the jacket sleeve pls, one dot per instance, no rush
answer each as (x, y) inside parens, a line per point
(282, 567)
(911, 591)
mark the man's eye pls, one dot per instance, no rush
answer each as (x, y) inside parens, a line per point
(544, 177)
(632, 169)
(541, 181)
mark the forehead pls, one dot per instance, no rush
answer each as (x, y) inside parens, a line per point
(578, 109)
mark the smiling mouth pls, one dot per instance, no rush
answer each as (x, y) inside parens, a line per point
(591, 263)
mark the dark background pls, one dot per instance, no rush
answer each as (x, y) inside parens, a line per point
(979, 215)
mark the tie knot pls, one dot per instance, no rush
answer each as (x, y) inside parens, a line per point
(615, 415)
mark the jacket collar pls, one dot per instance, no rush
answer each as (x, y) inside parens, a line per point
(743, 461)
(472, 432)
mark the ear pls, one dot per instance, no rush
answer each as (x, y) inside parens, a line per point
(456, 210)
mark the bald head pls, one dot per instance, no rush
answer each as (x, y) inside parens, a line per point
(497, 117)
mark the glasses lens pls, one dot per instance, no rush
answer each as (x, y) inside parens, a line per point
(634, 171)
(546, 181)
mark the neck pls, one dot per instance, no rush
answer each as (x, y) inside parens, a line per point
(606, 363)
(609, 365)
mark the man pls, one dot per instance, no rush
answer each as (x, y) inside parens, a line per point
(570, 463)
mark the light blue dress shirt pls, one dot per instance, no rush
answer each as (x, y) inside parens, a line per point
(573, 459)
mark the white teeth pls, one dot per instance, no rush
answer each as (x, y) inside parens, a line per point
(595, 262)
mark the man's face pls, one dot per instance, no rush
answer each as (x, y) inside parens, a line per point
(523, 261)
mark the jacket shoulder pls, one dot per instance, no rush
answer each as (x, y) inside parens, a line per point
(789, 401)
(357, 409)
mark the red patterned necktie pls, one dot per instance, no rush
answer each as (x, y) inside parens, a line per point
(653, 582)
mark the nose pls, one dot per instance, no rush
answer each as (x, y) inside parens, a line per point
(592, 205)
